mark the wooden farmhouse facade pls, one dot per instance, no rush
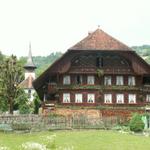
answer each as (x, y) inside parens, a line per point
(97, 71)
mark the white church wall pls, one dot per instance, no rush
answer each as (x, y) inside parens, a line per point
(31, 97)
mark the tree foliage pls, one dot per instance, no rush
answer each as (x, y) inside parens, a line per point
(23, 103)
(136, 124)
(10, 76)
(143, 51)
(37, 103)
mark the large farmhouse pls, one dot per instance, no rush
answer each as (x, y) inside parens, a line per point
(97, 71)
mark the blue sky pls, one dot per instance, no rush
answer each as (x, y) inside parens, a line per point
(56, 25)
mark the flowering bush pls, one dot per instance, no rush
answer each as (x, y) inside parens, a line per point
(4, 148)
(49, 145)
(33, 146)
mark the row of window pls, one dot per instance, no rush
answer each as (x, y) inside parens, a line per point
(107, 80)
(107, 98)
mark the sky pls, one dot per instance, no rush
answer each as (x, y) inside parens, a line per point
(56, 25)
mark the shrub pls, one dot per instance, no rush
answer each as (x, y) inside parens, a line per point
(136, 124)
(21, 126)
(36, 102)
(5, 127)
(24, 109)
(23, 102)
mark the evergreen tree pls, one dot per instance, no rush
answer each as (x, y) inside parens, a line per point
(37, 103)
(23, 103)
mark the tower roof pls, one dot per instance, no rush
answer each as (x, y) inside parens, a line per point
(29, 63)
(99, 40)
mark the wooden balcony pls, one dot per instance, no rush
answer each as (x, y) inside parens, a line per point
(99, 87)
(107, 70)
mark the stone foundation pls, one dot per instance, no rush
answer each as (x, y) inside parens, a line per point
(94, 113)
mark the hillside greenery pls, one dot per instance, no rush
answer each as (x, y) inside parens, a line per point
(42, 62)
(143, 51)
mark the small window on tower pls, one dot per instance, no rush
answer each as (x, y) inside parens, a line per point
(29, 93)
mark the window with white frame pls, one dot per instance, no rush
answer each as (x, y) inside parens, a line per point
(119, 80)
(78, 98)
(90, 80)
(131, 80)
(132, 98)
(107, 98)
(120, 98)
(66, 79)
(66, 97)
(148, 98)
(107, 80)
(91, 98)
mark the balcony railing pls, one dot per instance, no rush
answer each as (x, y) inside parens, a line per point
(99, 87)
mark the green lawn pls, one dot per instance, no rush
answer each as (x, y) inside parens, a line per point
(81, 140)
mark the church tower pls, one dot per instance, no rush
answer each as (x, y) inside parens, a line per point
(29, 66)
(26, 84)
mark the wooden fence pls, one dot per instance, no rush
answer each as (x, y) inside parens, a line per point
(59, 122)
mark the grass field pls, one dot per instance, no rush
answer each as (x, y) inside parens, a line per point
(80, 140)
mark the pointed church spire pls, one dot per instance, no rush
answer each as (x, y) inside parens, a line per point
(29, 63)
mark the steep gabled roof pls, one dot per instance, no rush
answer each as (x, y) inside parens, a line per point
(99, 40)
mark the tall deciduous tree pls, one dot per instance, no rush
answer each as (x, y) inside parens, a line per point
(3, 104)
(10, 76)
